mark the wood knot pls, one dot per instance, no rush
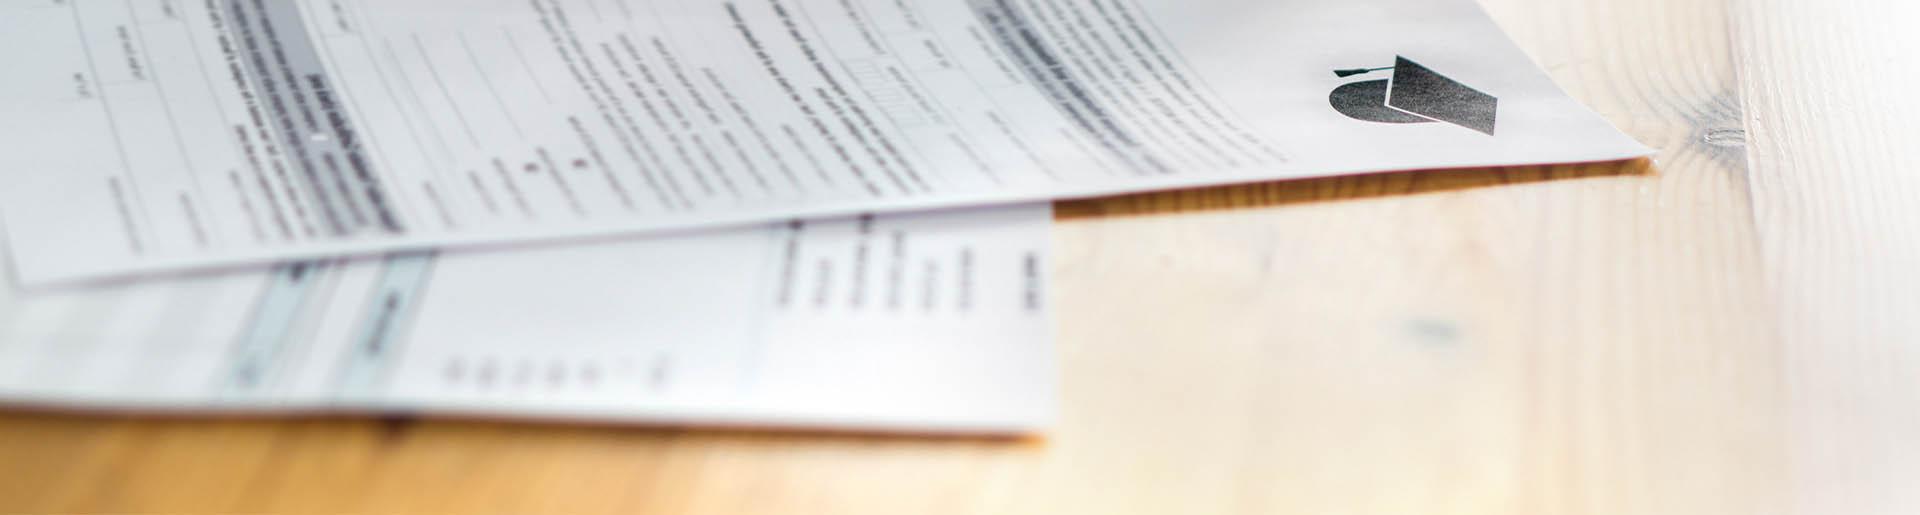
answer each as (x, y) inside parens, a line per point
(1725, 137)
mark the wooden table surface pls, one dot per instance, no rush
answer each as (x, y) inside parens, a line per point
(1728, 329)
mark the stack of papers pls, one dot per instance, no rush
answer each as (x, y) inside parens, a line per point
(795, 213)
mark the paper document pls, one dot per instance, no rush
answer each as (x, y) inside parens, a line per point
(929, 322)
(164, 134)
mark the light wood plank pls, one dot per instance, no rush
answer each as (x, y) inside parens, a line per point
(1836, 180)
(1606, 347)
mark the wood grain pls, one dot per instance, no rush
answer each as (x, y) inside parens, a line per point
(1836, 177)
(1694, 335)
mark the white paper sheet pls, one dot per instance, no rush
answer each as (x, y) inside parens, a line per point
(930, 322)
(151, 135)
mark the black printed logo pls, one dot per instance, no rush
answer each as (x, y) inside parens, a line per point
(1415, 94)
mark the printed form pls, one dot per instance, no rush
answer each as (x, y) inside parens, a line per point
(931, 322)
(148, 135)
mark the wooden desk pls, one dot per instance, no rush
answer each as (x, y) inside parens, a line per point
(1728, 331)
